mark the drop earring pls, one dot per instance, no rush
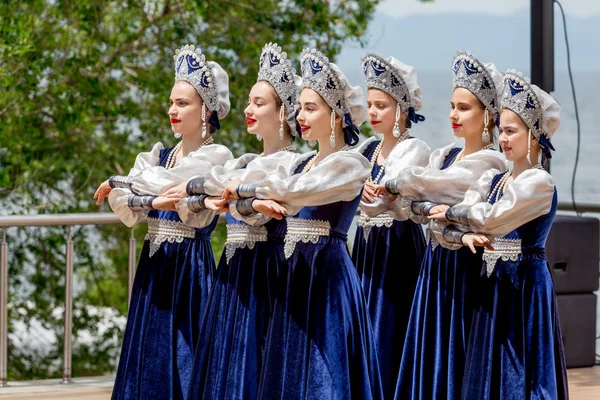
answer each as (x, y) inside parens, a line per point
(396, 131)
(332, 123)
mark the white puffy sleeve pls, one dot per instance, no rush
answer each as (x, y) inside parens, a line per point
(118, 198)
(475, 194)
(192, 218)
(338, 177)
(525, 198)
(216, 180)
(411, 152)
(198, 163)
(446, 186)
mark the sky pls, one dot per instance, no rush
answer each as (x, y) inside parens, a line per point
(402, 8)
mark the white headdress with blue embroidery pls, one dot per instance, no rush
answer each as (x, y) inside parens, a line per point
(328, 80)
(396, 79)
(207, 77)
(539, 111)
(276, 69)
(483, 80)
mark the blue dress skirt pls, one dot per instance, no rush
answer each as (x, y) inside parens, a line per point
(320, 343)
(168, 298)
(435, 347)
(388, 258)
(232, 339)
(515, 348)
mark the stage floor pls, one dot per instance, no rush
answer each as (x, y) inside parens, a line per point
(584, 384)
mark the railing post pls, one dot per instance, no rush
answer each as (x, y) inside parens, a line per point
(3, 310)
(68, 309)
(131, 265)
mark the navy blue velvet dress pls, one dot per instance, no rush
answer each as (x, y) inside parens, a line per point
(168, 298)
(320, 343)
(388, 265)
(515, 348)
(435, 347)
(232, 339)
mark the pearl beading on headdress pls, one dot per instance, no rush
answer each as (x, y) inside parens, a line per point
(191, 66)
(519, 97)
(277, 70)
(380, 74)
(318, 75)
(470, 74)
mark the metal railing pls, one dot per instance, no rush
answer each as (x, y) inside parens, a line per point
(51, 220)
(70, 220)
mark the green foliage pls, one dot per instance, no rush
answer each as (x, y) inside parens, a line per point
(85, 88)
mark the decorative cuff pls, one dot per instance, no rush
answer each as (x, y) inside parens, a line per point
(421, 207)
(390, 186)
(120, 181)
(452, 235)
(458, 215)
(244, 206)
(196, 203)
(195, 186)
(246, 190)
(139, 203)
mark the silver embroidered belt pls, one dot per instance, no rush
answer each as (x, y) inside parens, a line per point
(505, 249)
(241, 236)
(162, 230)
(367, 223)
(303, 230)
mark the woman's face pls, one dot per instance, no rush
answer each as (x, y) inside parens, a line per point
(185, 110)
(382, 111)
(262, 112)
(514, 136)
(466, 114)
(314, 116)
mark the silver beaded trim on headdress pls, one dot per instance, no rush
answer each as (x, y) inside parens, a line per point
(471, 74)
(380, 74)
(519, 97)
(191, 66)
(318, 75)
(277, 69)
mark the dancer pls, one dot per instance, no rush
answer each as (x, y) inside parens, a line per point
(320, 344)
(515, 348)
(176, 266)
(388, 252)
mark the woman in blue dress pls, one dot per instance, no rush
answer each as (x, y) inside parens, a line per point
(232, 339)
(389, 247)
(515, 349)
(176, 265)
(320, 343)
(435, 346)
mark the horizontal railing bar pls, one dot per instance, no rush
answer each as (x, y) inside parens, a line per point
(581, 207)
(59, 219)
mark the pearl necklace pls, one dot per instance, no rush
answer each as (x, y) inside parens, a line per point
(313, 160)
(376, 153)
(173, 153)
(286, 148)
(499, 188)
(461, 154)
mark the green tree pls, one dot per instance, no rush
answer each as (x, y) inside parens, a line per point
(85, 86)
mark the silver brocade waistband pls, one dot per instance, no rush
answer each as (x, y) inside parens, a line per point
(162, 230)
(505, 249)
(367, 223)
(303, 230)
(240, 236)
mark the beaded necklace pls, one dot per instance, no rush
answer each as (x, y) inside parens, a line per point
(286, 148)
(462, 152)
(313, 160)
(173, 153)
(376, 153)
(498, 190)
